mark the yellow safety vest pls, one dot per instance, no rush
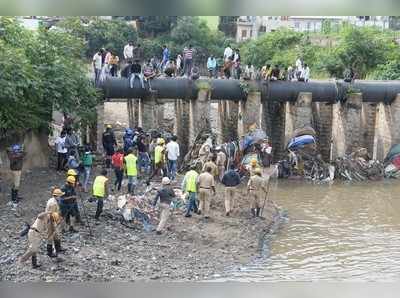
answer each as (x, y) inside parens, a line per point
(99, 186)
(131, 167)
(191, 178)
(158, 154)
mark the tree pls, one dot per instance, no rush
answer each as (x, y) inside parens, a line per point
(152, 26)
(360, 48)
(41, 71)
(99, 33)
(192, 30)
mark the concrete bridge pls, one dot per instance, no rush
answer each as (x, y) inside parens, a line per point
(343, 114)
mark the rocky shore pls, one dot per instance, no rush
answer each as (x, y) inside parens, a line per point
(191, 249)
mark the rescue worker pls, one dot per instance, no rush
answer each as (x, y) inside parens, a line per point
(128, 139)
(53, 207)
(231, 180)
(43, 228)
(221, 161)
(108, 144)
(211, 164)
(189, 186)
(205, 184)
(118, 165)
(100, 191)
(130, 165)
(166, 195)
(204, 152)
(257, 188)
(68, 203)
(253, 167)
(159, 159)
(77, 186)
(16, 156)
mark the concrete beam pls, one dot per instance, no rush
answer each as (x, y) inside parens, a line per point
(382, 135)
(249, 112)
(199, 114)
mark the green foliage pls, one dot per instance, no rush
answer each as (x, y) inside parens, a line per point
(278, 47)
(41, 70)
(192, 30)
(388, 71)
(152, 26)
(364, 49)
(99, 33)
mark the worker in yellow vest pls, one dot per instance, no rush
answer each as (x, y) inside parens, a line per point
(189, 186)
(159, 160)
(130, 165)
(100, 191)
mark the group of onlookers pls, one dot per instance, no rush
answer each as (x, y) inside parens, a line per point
(106, 62)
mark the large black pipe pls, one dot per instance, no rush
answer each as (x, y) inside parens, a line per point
(322, 91)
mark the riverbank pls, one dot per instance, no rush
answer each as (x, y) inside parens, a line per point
(190, 249)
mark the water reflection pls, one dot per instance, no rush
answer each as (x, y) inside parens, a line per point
(335, 232)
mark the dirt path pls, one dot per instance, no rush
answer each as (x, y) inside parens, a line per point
(191, 249)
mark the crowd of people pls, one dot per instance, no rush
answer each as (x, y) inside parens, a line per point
(142, 158)
(133, 66)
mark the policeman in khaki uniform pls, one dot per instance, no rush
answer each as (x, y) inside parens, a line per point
(253, 167)
(211, 164)
(205, 184)
(257, 191)
(44, 227)
(53, 207)
(100, 191)
(221, 160)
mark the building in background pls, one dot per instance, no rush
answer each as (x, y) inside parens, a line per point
(251, 27)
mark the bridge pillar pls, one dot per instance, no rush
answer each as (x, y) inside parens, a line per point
(249, 112)
(199, 114)
(181, 124)
(221, 121)
(148, 112)
(354, 127)
(395, 127)
(298, 114)
(346, 126)
(382, 135)
(133, 112)
(100, 126)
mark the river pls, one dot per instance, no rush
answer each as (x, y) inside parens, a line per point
(339, 232)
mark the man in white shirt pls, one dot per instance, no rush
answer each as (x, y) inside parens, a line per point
(172, 154)
(305, 73)
(128, 51)
(97, 65)
(228, 53)
(61, 151)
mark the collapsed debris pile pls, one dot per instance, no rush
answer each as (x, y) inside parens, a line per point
(358, 166)
(199, 151)
(304, 159)
(138, 209)
(253, 145)
(392, 162)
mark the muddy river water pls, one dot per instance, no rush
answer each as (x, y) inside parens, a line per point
(334, 232)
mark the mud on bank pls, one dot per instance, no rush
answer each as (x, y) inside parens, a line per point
(190, 249)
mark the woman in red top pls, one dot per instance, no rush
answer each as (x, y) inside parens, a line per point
(118, 165)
